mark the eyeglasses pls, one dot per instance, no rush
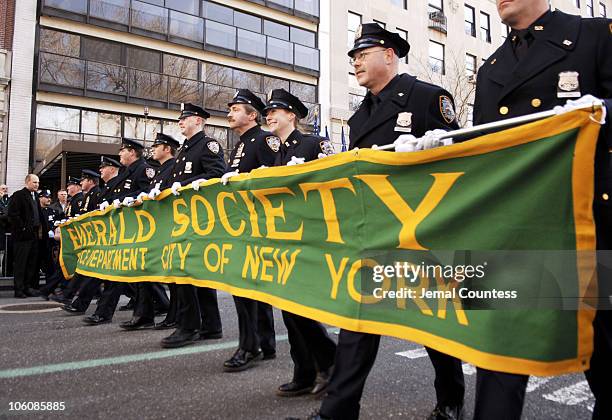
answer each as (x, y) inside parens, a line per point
(361, 56)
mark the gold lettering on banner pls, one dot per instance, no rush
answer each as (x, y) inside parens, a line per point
(336, 274)
(443, 300)
(272, 213)
(224, 219)
(182, 220)
(195, 219)
(260, 260)
(329, 205)
(253, 218)
(122, 228)
(218, 262)
(410, 219)
(356, 294)
(142, 236)
(100, 229)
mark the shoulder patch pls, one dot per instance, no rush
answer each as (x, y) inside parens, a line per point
(150, 173)
(446, 109)
(214, 146)
(326, 147)
(274, 143)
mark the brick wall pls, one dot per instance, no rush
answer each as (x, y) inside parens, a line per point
(7, 23)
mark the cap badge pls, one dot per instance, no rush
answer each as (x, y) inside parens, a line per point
(358, 33)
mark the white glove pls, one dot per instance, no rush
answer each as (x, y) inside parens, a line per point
(57, 223)
(175, 188)
(262, 166)
(321, 156)
(104, 205)
(128, 201)
(586, 100)
(154, 193)
(226, 177)
(63, 221)
(76, 215)
(142, 195)
(196, 184)
(296, 161)
(51, 234)
(116, 203)
(405, 143)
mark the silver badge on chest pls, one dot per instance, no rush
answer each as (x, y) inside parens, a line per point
(569, 85)
(404, 122)
(188, 167)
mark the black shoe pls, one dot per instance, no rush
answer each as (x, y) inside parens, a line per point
(269, 355)
(180, 338)
(210, 335)
(96, 320)
(165, 325)
(447, 412)
(294, 389)
(72, 310)
(44, 296)
(321, 382)
(60, 299)
(20, 295)
(31, 292)
(315, 415)
(161, 311)
(241, 360)
(137, 323)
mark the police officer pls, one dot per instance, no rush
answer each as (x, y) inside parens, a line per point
(109, 169)
(76, 197)
(548, 58)
(200, 157)
(163, 151)
(132, 181)
(395, 104)
(311, 348)
(255, 148)
(89, 184)
(48, 246)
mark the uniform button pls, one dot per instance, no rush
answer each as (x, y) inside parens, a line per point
(536, 103)
(181, 173)
(504, 110)
(183, 158)
(605, 196)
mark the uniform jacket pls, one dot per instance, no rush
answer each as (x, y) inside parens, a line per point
(564, 45)
(75, 204)
(163, 172)
(91, 200)
(106, 192)
(135, 179)
(58, 209)
(199, 157)
(410, 106)
(255, 148)
(307, 146)
(21, 213)
(50, 215)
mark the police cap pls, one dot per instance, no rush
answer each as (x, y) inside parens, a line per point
(373, 35)
(281, 99)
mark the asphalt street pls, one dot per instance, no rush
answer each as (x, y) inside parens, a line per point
(105, 372)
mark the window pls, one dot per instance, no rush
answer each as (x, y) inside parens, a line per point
(310, 7)
(382, 24)
(404, 35)
(485, 27)
(276, 30)
(57, 118)
(180, 67)
(247, 80)
(60, 42)
(110, 10)
(251, 43)
(218, 75)
(248, 22)
(60, 70)
(305, 92)
(217, 12)
(436, 6)
(187, 6)
(354, 20)
(280, 51)
(108, 78)
(186, 26)
(589, 6)
(100, 50)
(148, 17)
(436, 57)
(134, 128)
(400, 3)
(101, 124)
(602, 10)
(271, 83)
(220, 35)
(306, 57)
(470, 65)
(76, 6)
(301, 36)
(470, 21)
(138, 58)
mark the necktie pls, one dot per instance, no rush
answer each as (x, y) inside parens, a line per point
(521, 44)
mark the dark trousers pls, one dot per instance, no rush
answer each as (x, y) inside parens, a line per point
(26, 265)
(89, 288)
(311, 348)
(197, 308)
(147, 296)
(355, 356)
(255, 325)
(171, 315)
(107, 304)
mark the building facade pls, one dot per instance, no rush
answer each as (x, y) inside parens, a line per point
(7, 20)
(99, 70)
(449, 40)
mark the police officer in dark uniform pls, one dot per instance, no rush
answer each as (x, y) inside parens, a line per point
(49, 247)
(548, 58)
(109, 171)
(311, 348)
(255, 148)
(200, 157)
(163, 151)
(395, 104)
(132, 181)
(76, 197)
(90, 185)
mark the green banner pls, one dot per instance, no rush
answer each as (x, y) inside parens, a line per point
(316, 239)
